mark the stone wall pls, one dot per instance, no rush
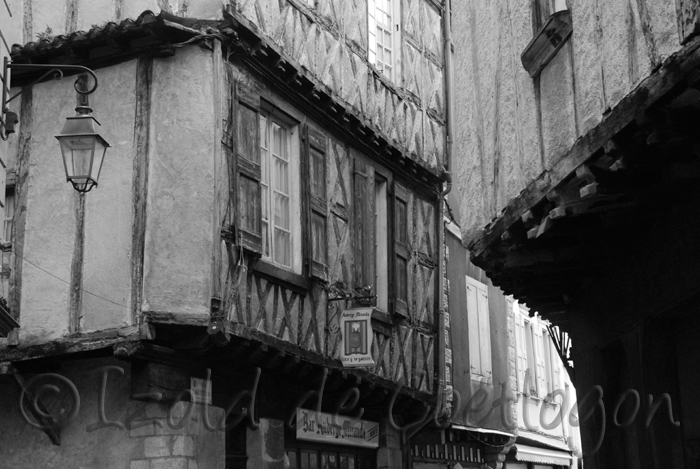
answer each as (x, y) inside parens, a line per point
(124, 439)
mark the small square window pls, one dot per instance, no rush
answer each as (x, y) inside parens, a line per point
(383, 35)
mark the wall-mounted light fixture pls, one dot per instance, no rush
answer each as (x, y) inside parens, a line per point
(82, 148)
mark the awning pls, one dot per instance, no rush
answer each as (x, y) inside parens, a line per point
(480, 430)
(542, 455)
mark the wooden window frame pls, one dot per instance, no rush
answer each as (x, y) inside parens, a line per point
(396, 48)
(275, 115)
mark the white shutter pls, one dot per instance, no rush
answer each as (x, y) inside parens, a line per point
(557, 381)
(473, 325)
(539, 359)
(484, 331)
(521, 351)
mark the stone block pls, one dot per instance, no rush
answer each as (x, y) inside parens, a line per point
(139, 464)
(156, 446)
(145, 430)
(169, 463)
(192, 464)
(183, 446)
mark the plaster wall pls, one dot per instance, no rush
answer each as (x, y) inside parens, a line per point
(108, 209)
(54, 247)
(55, 18)
(49, 236)
(181, 199)
(510, 127)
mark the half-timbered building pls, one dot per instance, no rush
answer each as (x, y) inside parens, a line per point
(275, 168)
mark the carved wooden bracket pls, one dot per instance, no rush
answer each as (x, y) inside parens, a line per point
(547, 42)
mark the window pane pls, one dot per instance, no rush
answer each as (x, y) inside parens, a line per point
(281, 173)
(401, 227)
(387, 38)
(265, 208)
(328, 461)
(279, 137)
(292, 457)
(282, 248)
(282, 211)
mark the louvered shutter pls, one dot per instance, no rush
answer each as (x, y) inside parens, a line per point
(473, 325)
(557, 381)
(248, 175)
(401, 250)
(316, 151)
(479, 328)
(540, 359)
(521, 351)
(363, 199)
(484, 330)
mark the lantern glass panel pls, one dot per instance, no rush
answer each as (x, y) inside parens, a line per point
(100, 150)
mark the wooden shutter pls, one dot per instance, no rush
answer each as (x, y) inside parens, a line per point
(539, 359)
(316, 150)
(557, 381)
(521, 351)
(401, 250)
(484, 330)
(248, 192)
(363, 198)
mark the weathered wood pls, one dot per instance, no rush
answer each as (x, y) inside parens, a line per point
(142, 125)
(248, 171)
(673, 71)
(687, 12)
(221, 181)
(547, 42)
(21, 192)
(183, 319)
(316, 149)
(76, 281)
(67, 346)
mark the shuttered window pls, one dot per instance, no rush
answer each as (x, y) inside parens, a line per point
(479, 328)
(540, 361)
(521, 350)
(248, 170)
(316, 156)
(401, 250)
(364, 224)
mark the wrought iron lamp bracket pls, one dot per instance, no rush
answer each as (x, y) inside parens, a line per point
(54, 71)
(363, 297)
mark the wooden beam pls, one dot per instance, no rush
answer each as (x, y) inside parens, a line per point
(67, 346)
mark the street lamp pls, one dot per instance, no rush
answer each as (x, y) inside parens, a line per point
(82, 148)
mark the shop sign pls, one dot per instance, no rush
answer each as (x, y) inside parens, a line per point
(356, 337)
(336, 429)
